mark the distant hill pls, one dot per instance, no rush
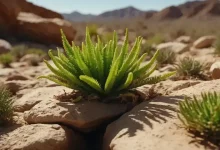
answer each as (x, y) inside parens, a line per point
(198, 8)
(128, 12)
(201, 8)
(171, 12)
(78, 17)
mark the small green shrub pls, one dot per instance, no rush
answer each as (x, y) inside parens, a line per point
(189, 67)
(201, 115)
(6, 59)
(217, 47)
(6, 108)
(19, 51)
(102, 69)
(166, 56)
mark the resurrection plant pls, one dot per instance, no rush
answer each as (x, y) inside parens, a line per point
(102, 69)
(201, 115)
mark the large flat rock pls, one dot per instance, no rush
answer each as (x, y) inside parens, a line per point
(40, 137)
(84, 116)
(154, 125)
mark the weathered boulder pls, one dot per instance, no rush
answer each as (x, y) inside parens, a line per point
(40, 137)
(174, 46)
(215, 70)
(5, 46)
(84, 116)
(154, 124)
(150, 126)
(10, 9)
(25, 20)
(204, 42)
(44, 30)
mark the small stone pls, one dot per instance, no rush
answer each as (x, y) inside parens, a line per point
(204, 42)
(176, 47)
(215, 70)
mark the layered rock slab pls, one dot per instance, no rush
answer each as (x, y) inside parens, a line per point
(40, 137)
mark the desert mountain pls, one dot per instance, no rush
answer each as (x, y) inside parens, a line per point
(171, 12)
(201, 8)
(128, 12)
(78, 17)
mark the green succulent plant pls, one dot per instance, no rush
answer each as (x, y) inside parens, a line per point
(201, 115)
(6, 59)
(6, 108)
(189, 67)
(102, 69)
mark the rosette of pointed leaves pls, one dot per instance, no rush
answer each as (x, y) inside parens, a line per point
(201, 115)
(102, 68)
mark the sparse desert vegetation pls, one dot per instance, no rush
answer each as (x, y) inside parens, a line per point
(189, 67)
(144, 78)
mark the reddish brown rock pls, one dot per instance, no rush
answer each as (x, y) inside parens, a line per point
(204, 42)
(40, 11)
(44, 30)
(30, 22)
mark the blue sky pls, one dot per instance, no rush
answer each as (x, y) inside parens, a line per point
(99, 6)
